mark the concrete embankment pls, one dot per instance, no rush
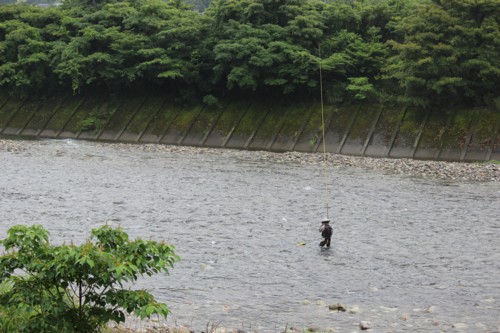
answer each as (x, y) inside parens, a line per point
(359, 130)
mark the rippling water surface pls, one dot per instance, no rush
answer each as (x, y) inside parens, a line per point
(408, 254)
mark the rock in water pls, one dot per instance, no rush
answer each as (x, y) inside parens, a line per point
(365, 325)
(460, 326)
(337, 307)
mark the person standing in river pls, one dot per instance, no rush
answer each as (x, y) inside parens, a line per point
(326, 233)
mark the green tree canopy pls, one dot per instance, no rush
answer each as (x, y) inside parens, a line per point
(421, 52)
(26, 41)
(450, 53)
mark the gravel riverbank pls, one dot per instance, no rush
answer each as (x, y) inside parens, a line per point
(480, 172)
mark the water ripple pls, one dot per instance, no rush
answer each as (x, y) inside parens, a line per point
(401, 245)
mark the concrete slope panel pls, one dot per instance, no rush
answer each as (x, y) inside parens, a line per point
(4, 96)
(495, 154)
(296, 117)
(80, 118)
(338, 122)
(100, 118)
(8, 111)
(360, 130)
(202, 125)
(139, 123)
(311, 132)
(160, 123)
(456, 135)
(407, 133)
(482, 135)
(48, 107)
(381, 138)
(121, 117)
(180, 126)
(248, 125)
(269, 127)
(433, 134)
(62, 116)
(22, 117)
(226, 123)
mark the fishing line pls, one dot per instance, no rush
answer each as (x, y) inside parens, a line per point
(323, 130)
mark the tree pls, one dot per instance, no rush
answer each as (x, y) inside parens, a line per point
(122, 44)
(173, 33)
(450, 53)
(70, 288)
(25, 34)
(266, 45)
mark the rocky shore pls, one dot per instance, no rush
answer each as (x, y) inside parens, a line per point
(462, 171)
(481, 172)
(402, 321)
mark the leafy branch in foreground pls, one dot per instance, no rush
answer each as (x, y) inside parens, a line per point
(70, 288)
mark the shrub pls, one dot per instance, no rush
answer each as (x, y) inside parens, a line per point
(70, 288)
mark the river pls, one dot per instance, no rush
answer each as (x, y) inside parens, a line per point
(408, 254)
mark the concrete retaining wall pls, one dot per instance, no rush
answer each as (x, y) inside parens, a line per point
(366, 130)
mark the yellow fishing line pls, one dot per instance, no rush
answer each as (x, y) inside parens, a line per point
(323, 130)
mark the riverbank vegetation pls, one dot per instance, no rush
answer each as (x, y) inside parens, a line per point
(428, 53)
(70, 288)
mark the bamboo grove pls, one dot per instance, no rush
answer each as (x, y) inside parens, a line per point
(437, 53)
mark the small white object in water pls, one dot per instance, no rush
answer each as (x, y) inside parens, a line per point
(365, 325)
(430, 309)
(205, 266)
(460, 326)
(388, 309)
(70, 142)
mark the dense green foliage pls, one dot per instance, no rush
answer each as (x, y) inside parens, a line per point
(420, 52)
(70, 288)
(451, 51)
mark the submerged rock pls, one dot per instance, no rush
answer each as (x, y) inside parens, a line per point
(354, 309)
(459, 326)
(405, 316)
(430, 309)
(337, 307)
(320, 303)
(388, 309)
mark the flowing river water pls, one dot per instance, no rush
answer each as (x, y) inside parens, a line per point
(409, 254)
